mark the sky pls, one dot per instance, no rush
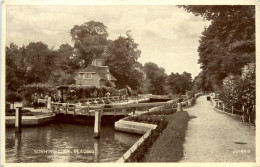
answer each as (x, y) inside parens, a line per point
(167, 35)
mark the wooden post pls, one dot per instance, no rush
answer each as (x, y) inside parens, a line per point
(179, 106)
(223, 107)
(218, 105)
(88, 110)
(114, 111)
(97, 123)
(66, 108)
(58, 108)
(232, 109)
(74, 110)
(18, 119)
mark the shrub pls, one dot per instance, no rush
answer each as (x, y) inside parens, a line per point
(13, 96)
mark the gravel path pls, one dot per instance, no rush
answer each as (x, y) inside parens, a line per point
(214, 136)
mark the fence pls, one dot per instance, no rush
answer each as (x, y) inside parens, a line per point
(220, 105)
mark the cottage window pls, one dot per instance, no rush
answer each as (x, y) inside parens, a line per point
(81, 75)
(88, 76)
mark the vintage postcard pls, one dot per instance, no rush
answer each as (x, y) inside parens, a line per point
(95, 82)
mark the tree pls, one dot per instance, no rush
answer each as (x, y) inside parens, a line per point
(156, 78)
(228, 43)
(90, 40)
(179, 83)
(15, 67)
(40, 62)
(121, 55)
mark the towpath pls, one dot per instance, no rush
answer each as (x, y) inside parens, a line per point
(213, 136)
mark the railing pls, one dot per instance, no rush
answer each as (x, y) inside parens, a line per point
(75, 109)
(101, 100)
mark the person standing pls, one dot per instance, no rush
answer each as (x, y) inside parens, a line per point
(46, 100)
(35, 101)
(49, 104)
(54, 98)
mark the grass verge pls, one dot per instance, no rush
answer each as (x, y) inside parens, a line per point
(169, 145)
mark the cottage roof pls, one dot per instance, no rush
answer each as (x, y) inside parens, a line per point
(100, 70)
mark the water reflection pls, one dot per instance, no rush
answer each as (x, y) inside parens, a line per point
(66, 143)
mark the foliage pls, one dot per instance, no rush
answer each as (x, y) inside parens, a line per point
(238, 90)
(227, 44)
(13, 97)
(121, 56)
(156, 78)
(90, 41)
(179, 83)
(76, 93)
(27, 91)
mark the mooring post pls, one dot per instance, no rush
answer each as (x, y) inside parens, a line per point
(18, 119)
(232, 109)
(179, 106)
(223, 107)
(97, 123)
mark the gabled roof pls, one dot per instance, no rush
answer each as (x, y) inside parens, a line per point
(100, 70)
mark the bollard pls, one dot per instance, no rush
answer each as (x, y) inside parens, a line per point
(232, 109)
(179, 106)
(18, 120)
(218, 105)
(223, 107)
(97, 123)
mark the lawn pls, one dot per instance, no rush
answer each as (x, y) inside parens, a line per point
(169, 145)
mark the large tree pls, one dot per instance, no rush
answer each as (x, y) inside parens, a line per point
(90, 40)
(15, 66)
(228, 44)
(121, 55)
(156, 78)
(40, 62)
(179, 83)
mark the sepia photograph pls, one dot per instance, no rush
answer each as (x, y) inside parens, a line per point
(143, 83)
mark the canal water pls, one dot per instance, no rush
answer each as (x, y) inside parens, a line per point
(66, 143)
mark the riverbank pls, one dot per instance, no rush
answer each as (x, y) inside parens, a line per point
(169, 145)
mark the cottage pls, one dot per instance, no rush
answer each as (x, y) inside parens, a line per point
(95, 75)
